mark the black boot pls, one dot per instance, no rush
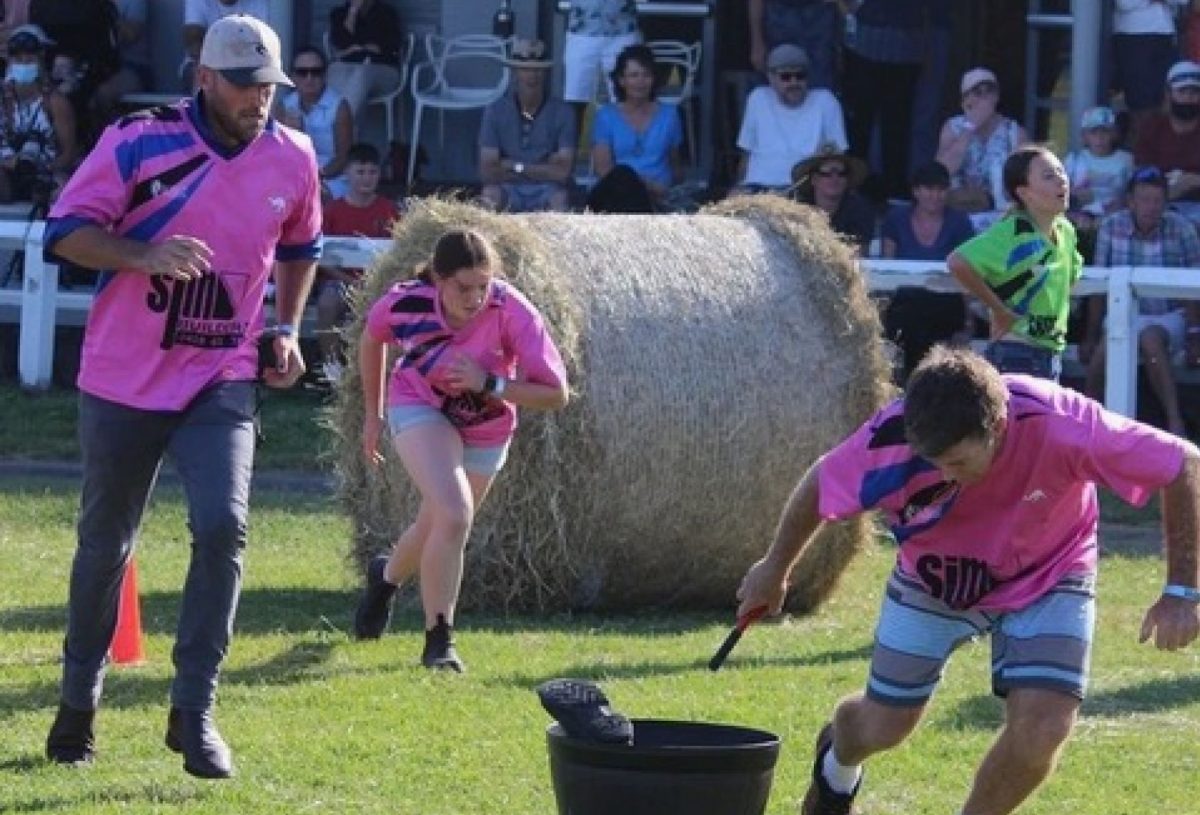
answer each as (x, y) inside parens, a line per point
(439, 648)
(375, 608)
(71, 739)
(194, 734)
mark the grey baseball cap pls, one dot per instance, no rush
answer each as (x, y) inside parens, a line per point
(245, 50)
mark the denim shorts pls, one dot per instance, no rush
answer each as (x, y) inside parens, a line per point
(1045, 645)
(476, 459)
(1022, 358)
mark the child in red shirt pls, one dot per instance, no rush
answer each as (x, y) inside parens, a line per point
(361, 213)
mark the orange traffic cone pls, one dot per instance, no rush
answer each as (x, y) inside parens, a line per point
(126, 646)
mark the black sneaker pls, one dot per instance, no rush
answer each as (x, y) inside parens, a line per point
(439, 652)
(72, 739)
(822, 799)
(583, 711)
(374, 610)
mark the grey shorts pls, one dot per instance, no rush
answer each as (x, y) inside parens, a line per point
(476, 459)
(1045, 645)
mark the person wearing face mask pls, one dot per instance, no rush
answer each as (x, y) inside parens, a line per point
(973, 146)
(1170, 139)
(37, 126)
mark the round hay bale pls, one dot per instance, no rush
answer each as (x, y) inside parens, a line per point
(712, 358)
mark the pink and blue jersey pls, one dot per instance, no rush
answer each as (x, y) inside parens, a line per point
(506, 338)
(1001, 543)
(153, 343)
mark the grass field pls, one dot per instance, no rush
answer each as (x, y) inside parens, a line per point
(323, 724)
(41, 426)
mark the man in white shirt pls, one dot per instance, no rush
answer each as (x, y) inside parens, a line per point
(785, 123)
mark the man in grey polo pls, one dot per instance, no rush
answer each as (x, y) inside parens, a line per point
(527, 140)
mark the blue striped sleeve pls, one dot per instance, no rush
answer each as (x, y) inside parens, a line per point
(304, 251)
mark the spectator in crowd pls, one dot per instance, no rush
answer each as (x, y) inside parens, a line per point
(365, 36)
(133, 73)
(198, 15)
(527, 139)
(363, 212)
(38, 139)
(1022, 268)
(1099, 172)
(323, 114)
(597, 32)
(882, 63)
(785, 123)
(472, 349)
(635, 140)
(811, 24)
(988, 483)
(1147, 234)
(974, 145)
(1170, 139)
(170, 359)
(926, 229)
(1144, 48)
(829, 180)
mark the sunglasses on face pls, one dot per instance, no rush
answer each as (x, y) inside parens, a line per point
(308, 71)
(832, 172)
(982, 89)
(791, 76)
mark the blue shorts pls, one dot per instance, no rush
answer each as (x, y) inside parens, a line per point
(529, 196)
(1022, 358)
(1046, 645)
(476, 459)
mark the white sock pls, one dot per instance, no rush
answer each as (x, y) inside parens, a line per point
(841, 778)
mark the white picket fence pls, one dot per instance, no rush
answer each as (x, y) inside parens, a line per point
(41, 305)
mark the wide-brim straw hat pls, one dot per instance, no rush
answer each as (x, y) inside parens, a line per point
(856, 168)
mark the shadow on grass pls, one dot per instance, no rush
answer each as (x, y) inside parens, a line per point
(598, 671)
(148, 793)
(129, 689)
(270, 610)
(1153, 696)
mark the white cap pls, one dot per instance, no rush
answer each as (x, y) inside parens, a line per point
(976, 76)
(245, 50)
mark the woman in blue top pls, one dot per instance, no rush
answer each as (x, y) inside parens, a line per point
(635, 141)
(916, 318)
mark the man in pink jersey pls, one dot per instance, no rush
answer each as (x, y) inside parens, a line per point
(988, 484)
(184, 210)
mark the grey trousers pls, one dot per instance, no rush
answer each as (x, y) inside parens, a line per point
(211, 443)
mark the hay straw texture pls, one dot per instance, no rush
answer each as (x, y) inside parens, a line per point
(712, 358)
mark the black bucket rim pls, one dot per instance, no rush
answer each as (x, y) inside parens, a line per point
(752, 756)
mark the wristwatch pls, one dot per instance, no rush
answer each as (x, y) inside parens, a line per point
(519, 167)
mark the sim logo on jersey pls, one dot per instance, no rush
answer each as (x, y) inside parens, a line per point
(199, 313)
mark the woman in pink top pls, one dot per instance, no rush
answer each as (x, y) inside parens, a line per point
(470, 349)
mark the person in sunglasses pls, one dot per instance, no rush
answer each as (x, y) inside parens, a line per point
(974, 145)
(785, 122)
(324, 114)
(829, 181)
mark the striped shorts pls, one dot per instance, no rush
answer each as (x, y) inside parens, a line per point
(1045, 645)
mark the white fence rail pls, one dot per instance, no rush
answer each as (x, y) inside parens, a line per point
(40, 303)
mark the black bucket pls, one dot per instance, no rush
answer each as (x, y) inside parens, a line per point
(672, 768)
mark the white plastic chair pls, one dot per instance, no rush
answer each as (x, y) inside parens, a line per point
(462, 73)
(681, 63)
(389, 100)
